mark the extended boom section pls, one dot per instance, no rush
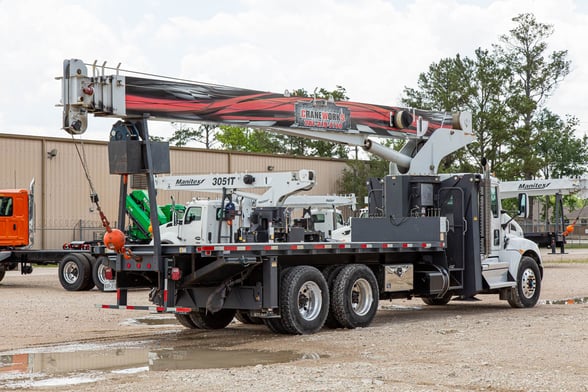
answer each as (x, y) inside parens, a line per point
(346, 122)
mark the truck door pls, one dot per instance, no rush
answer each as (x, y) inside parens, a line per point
(192, 227)
(496, 239)
(14, 219)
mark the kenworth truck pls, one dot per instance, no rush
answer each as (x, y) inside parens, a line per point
(433, 236)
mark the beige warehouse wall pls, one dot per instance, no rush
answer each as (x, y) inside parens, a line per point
(63, 208)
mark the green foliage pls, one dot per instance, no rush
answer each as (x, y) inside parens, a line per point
(506, 90)
(184, 134)
(244, 139)
(355, 176)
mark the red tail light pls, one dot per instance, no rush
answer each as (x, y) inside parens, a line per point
(176, 274)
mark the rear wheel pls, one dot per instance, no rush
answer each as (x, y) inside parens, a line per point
(330, 273)
(275, 325)
(2, 273)
(245, 318)
(438, 301)
(90, 281)
(528, 288)
(75, 272)
(185, 320)
(355, 296)
(304, 300)
(99, 272)
(206, 320)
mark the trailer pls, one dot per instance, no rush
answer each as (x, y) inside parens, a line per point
(430, 235)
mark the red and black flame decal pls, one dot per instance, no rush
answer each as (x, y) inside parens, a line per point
(194, 102)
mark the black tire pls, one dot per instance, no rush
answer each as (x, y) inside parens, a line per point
(2, 273)
(528, 288)
(245, 318)
(206, 320)
(304, 300)
(438, 301)
(185, 320)
(330, 273)
(89, 280)
(98, 271)
(75, 272)
(355, 297)
(275, 325)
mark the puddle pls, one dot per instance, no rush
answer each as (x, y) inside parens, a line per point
(153, 321)
(78, 364)
(568, 301)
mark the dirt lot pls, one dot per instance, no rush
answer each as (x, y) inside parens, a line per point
(54, 340)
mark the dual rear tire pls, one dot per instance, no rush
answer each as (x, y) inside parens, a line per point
(340, 297)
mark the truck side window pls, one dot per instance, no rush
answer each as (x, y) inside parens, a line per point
(5, 206)
(494, 202)
(318, 218)
(340, 219)
(193, 214)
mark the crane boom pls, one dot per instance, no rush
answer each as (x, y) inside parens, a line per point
(280, 184)
(344, 122)
(541, 187)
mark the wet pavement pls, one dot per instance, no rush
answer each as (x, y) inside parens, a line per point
(73, 364)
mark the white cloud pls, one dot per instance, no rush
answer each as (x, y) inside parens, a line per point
(374, 48)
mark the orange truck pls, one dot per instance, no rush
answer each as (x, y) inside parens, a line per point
(79, 268)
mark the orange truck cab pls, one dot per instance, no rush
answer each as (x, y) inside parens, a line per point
(14, 218)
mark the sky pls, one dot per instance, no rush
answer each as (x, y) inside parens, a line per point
(373, 48)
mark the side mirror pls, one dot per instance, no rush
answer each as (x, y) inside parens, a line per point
(523, 205)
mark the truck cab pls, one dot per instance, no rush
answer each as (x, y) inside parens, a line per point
(15, 218)
(202, 223)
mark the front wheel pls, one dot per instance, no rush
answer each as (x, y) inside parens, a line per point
(526, 293)
(304, 300)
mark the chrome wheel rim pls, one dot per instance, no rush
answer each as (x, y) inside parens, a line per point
(361, 297)
(310, 301)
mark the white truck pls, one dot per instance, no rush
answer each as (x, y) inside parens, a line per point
(554, 234)
(437, 235)
(229, 219)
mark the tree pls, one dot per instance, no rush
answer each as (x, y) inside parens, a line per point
(356, 174)
(537, 75)
(250, 140)
(475, 85)
(564, 155)
(506, 89)
(184, 134)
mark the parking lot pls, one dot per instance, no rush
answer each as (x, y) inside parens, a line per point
(59, 340)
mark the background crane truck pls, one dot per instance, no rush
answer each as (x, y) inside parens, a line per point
(554, 234)
(436, 235)
(241, 213)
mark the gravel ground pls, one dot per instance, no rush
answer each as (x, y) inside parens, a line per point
(464, 346)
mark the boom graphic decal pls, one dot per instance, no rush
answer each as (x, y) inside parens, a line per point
(252, 108)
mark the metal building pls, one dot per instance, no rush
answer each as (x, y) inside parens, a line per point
(64, 211)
